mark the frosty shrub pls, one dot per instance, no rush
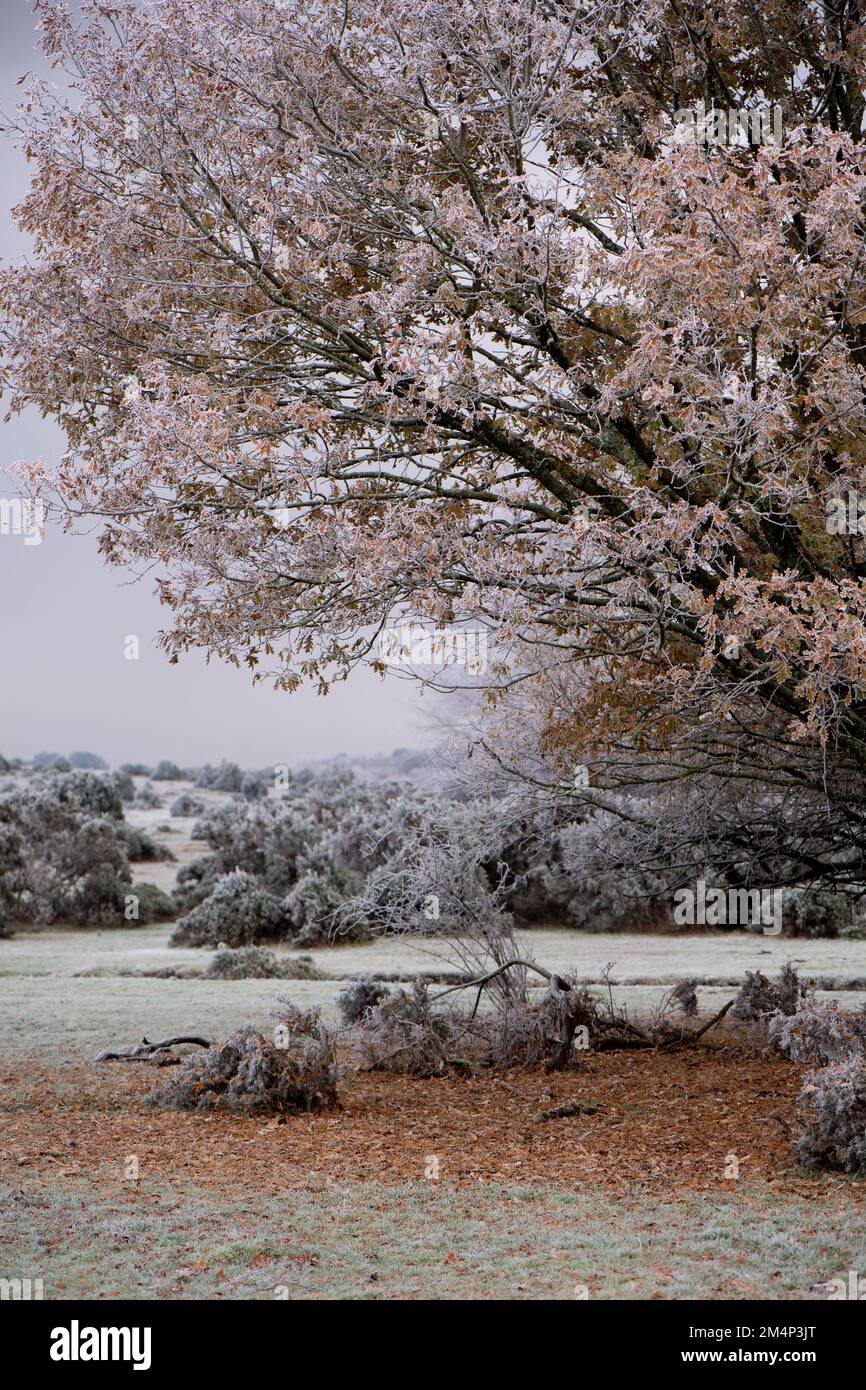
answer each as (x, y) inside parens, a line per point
(250, 1075)
(520, 1033)
(831, 1108)
(685, 999)
(87, 791)
(759, 998)
(815, 912)
(123, 785)
(166, 771)
(604, 892)
(91, 761)
(359, 997)
(408, 1031)
(187, 805)
(228, 777)
(147, 797)
(141, 847)
(58, 862)
(136, 769)
(311, 906)
(255, 786)
(237, 912)
(403, 1033)
(444, 877)
(314, 849)
(195, 881)
(42, 760)
(153, 904)
(832, 1113)
(820, 1033)
(256, 963)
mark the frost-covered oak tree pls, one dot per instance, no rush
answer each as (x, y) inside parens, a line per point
(353, 308)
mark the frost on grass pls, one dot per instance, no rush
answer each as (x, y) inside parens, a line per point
(250, 1074)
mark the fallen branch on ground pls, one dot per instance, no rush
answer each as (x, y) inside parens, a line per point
(562, 1112)
(608, 1024)
(146, 1051)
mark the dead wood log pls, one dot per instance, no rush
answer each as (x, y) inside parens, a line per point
(562, 1112)
(146, 1050)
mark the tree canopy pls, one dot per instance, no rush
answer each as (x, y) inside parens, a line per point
(356, 309)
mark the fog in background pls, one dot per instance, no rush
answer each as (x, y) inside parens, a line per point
(64, 681)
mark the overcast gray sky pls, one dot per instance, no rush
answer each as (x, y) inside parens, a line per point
(64, 614)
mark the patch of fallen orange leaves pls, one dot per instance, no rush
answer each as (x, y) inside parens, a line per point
(666, 1120)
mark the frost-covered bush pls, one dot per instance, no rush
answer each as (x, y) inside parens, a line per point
(314, 849)
(237, 912)
(87, 791)
(58, 862)
(520, 1033)
(312, 904)
(255, 786)
(359, 997)
(684, 998)
(195, 881)
(147, 798)
(141, 847)
(820, 1033)
(831, 1107)
(91, 761)
(817, 913)
(408, 1031)
(187, 805)
(123, 785)
(136, 769)
(604, 894)
(759, 998)
(251, 1075)
(154, 905)
(256, 963)
(832, 1113)
(444, 877)
(522, 1030)
(403, 1033)
(228, 777)
(56, 760)
(167, 771)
